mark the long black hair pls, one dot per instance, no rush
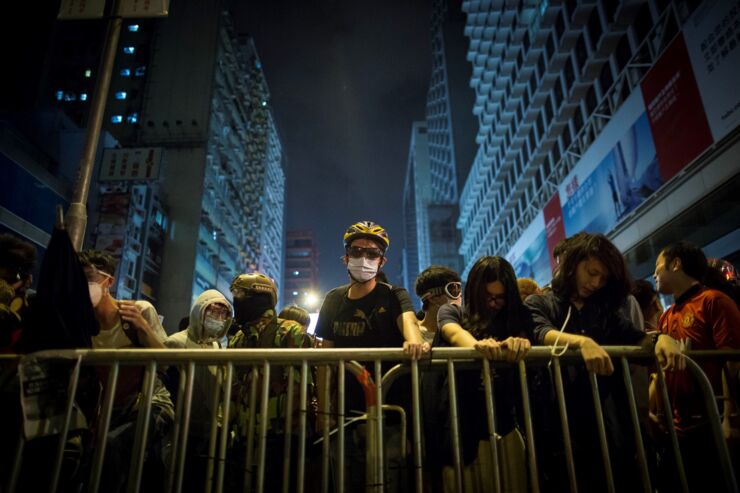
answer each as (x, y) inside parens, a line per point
(582, 247)
(477, 314)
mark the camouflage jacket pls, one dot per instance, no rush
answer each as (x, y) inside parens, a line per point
(269, 332)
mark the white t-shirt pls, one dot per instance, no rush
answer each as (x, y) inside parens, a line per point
(115, 337)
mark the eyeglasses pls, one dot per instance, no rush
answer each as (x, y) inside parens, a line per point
(452, 290)
(370, 253)
(496, 298)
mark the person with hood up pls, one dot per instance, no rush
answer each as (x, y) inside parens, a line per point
(210, 319)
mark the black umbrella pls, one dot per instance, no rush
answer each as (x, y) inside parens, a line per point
(62, 315)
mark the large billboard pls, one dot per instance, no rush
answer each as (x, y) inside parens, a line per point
(687, 101)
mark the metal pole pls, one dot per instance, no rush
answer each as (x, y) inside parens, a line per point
(264, 419)
(251, 426)
(454, 430)
(602, 432)
(226, 407)
(380, 453)
(303, 406)
(180, 452)
(641, 458)
(76, 219)
(415, 408)
(529, 427)
(288, 430)
(103, 425)
(142, 429)
(213, 436)
(491, 416)
(672, 429)
(72, 390)
(340, 426)
(560, 393)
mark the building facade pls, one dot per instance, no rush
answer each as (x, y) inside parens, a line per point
(301, 280)
(581, 112)
(208, 105)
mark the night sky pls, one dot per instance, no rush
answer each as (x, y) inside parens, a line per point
(347, 80)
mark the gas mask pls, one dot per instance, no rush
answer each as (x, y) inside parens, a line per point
(251, 307)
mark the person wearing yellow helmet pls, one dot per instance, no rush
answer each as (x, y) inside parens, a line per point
(368, 313)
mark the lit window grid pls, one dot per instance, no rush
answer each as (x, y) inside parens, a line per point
(485, 208)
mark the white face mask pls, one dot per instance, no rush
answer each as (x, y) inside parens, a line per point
(213, 328)
(362, 269)
(96, 292)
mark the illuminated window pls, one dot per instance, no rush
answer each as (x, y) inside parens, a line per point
(129, 50)
(88, 73)
(70, 96)
(116, 119)
(140, 71)
(121, 95)
(83, 96)
(60, 95)
(125, 72)
(133, 28)
(132, 118)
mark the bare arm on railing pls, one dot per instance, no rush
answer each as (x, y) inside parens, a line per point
(510, 349)
(413, 344)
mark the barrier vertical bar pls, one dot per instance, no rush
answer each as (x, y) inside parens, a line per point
(531, 454)
(288, 430)
(251, 427)
(491, 417)
(454, 428)
(380, 485)
(181, 451)
(303, 407)
(415, 408)
(672, 429)
(224, 426)
(340, 425)
(639, 446)
(609, 476)
(213, 435)
(325, 410)
(715, 423)
(263, 426)
(142, 429)
(72, 390)
(564, 425)
(103, 425)
(176, 432)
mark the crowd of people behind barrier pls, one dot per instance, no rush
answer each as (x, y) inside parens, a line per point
(592, 302)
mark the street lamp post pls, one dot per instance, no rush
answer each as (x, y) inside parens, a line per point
(77, 214)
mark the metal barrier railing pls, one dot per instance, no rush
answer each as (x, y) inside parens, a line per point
(260, 363)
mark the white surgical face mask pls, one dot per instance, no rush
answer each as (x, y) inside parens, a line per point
(213, 328)
(96, 293)
(362, 269)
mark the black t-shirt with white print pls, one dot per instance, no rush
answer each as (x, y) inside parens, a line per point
(369, 321)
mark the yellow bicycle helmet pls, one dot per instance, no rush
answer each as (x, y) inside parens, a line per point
(369, 230)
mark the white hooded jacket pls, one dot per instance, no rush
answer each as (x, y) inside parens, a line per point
(206, 377)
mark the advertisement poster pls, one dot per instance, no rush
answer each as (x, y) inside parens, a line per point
(712, 37)
(679, 125)
(554, 227)
(623, 179)
(530, 255)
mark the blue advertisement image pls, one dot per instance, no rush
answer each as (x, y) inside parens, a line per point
(534, 262)
(624, 178)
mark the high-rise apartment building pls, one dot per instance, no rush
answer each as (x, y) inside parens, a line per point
(610, 116)
(441, 150)
(301, 281)
(208, 105)
(416, 198)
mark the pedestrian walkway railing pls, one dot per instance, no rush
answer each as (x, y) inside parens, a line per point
(299, 362)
